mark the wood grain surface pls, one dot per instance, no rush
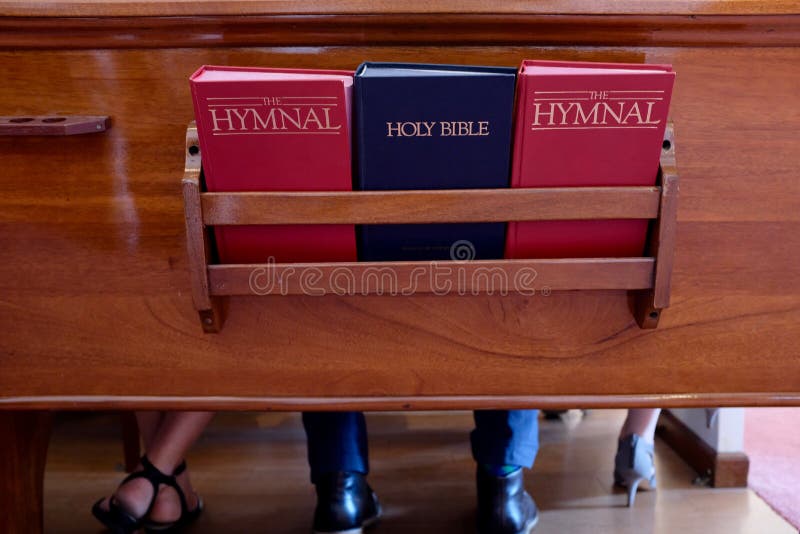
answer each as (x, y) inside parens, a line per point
(96, 295)
(467, 205)
(449, 280)
(76, 8)
(408, 29)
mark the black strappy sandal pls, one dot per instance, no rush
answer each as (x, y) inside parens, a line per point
(187, 516)
(120, 521)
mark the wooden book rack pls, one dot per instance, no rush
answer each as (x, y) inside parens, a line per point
(647, 277)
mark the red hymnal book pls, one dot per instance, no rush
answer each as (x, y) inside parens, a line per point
(276, 130)
(587, 124)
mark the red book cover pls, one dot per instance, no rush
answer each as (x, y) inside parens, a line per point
(586, 124)
(276, 130)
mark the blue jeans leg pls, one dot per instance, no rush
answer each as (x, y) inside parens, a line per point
(505, 437)
(337, 441)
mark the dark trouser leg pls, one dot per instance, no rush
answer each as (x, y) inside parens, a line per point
(337, 441)
(505, 437)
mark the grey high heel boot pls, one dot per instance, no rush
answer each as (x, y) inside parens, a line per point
(634, 463)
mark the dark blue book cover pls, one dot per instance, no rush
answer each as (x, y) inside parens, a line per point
(423, 126)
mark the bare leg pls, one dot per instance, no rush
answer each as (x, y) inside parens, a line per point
(641, 421)
(148, 423)
(635, 459)
(177, 432)
(168, 443)
(148, 426)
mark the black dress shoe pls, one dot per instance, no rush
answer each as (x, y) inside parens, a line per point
(504, 507)
(345, 504)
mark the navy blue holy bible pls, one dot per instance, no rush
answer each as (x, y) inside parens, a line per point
(421, 126)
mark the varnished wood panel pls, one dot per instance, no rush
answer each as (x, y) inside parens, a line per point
(97, 346)
(514, 29)
(382, 404)
(96, 299)
(74, 8)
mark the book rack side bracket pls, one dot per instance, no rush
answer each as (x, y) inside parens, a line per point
(648, 304)
(198, 244)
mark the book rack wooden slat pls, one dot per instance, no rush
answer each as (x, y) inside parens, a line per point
(648, 278)
(432, 277)
(465, 205)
